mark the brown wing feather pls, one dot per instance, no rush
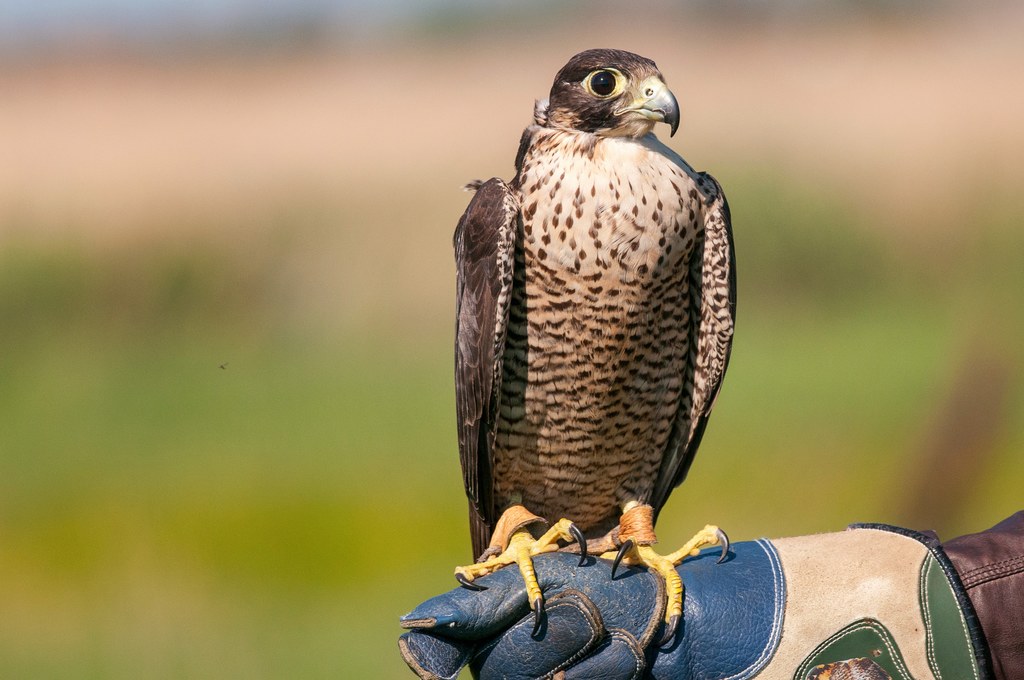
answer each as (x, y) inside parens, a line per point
(713, 310)
(484, 253)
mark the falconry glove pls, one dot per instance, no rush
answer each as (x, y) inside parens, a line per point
(592, 627)
(871, 603)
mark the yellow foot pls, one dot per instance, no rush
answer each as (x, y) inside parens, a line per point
(644, 555)
(521, 550)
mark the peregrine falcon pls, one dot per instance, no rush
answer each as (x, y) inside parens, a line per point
(596, 296)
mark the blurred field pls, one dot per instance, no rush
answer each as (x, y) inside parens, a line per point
(226, 406)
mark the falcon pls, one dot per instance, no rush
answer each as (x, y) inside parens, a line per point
(596, 296)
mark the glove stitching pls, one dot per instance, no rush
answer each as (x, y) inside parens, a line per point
(654, 622)
(996, 565)
(866, 624)
(630, 641)
(778, 580)
(595, 635)
(963, 627)
(927, 611)
(979, 575)
(414, 663)
(528, 622)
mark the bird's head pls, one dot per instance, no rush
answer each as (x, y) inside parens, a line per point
(611, 93)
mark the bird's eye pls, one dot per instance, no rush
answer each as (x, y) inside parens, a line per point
(602, 83)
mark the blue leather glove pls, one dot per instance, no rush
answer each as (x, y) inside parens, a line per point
(596, 626)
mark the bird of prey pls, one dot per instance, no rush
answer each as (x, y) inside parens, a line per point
(596, 298)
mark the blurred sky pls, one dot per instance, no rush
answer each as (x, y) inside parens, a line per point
(27, 24)
(32, 25)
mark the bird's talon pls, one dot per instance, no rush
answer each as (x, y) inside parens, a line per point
(670, 630)
(538, 616)
(581, 541)
(623, 549)
(723, 539)
(467, 583)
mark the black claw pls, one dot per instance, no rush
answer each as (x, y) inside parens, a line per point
(467, 583)
(623, 549)
(582, 542)
(723, 539)
(538, 616)
(670, 630)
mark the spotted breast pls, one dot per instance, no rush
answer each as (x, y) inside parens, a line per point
(599, 357)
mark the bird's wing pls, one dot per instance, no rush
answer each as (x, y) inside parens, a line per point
(484, 256)
(713, 316)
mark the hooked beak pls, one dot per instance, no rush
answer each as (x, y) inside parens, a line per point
(656, 102)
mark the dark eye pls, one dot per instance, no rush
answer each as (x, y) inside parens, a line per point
(602, 83)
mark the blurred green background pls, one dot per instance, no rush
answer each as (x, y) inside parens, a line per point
(226, 300)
